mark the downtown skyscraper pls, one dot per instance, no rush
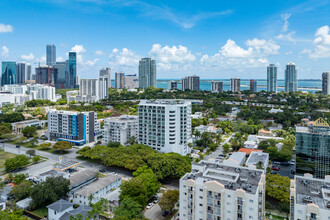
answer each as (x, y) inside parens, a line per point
(326, 83)
(72, 71)
(272, 78)
(147, 73)
(23, 72)
(291, 82)
(8, 74)
(50, 54)
(235, 84)
(106, 73)
(191, 83)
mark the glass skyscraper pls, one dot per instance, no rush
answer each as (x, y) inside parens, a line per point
(72, 71)
(50, 54)
(291, 82)
(313, 149)
(8, 75)
(23, 72)
(272, 78)
(147, 73)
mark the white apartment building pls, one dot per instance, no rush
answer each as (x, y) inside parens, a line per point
(165, 125)
(131, 81)
(17, 99)
(37, 91)
(310, 198)
(101, 188)
(217, 191)
(120, 129)
(90, 90)
(75, 127)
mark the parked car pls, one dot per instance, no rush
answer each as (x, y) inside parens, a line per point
(165, 213)
(293, 171)
(17, 146)
(291, 163)
(276, 162)
(276, 168)
(156, 201)
(149, 205)
(102, 171)
(285, 163)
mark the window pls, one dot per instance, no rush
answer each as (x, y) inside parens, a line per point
(201, 205)
(299, 212)
(228, 196)
(251, 200)
(228, 211)
(201, 190)
(201, 197)
(251, 209)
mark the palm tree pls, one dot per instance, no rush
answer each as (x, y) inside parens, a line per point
(90, 198)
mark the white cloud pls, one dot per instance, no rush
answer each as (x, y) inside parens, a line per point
(91, 62)
(41, 59)
(28, 57)
(231, 49)
(321, 43)
(172, 54)
(60, 59)
(6, 28)
(5, 51)
(288, 52)
(124, 57)
(305, 51)
(78, 49)
(285, 18)
(263, 46)
(100, 53)
(288, 37)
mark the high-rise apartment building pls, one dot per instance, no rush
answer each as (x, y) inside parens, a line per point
(131, 81)
(75, 127)
(326, 83)
(103, 86)
(120, 129)
(291, 82)
(23, 72)
(36, 91)
(313, 149)
(45, 75)
(106, 73)
(89, 87)
(235, 85)
(60, 74)
(253, 86)
(165, 125)
(50, 54)
(147, 73)
(72, 71)
(310, 198)
(119, 80)
(272, 78)
(8, 74)
(190, 83)
(173, 85)
(216, 86)
(217, 191)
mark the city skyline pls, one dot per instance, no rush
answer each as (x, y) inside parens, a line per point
(184, 39)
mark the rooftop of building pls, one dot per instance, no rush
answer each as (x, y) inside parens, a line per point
(81, 177)
(256, 156)
(163, 102)
(122, 118)
(66, 112)
(231, 177)
(51, 173)
(60, 205)
(29, 122)
(312, 190)
(82, 210)
(248, 150)
(97, 185)
(66, 165)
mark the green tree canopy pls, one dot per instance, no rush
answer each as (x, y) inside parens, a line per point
(278, 187)
(29, 131)
(49, 191)
(169, 199)
(4, 130)
(21, 191)
(129, 208)
(62, 145)
(16, 162)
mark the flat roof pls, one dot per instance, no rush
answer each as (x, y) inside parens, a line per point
(81, 177)
(312, 190)
(231, 177)
(66, 165)
(257, 156)
(98, 185)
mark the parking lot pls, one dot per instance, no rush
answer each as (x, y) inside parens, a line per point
(285, 170)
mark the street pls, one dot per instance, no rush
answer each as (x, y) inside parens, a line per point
(218, 151)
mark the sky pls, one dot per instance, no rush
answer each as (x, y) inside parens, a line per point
(213, 39)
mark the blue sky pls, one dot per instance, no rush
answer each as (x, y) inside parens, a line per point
(213, 39)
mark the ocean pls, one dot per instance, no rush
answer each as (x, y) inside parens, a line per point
(309, 85)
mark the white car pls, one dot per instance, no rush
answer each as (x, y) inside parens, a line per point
(149, 205)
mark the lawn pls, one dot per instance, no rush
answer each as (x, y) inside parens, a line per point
(43, 212)
(3, 156)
